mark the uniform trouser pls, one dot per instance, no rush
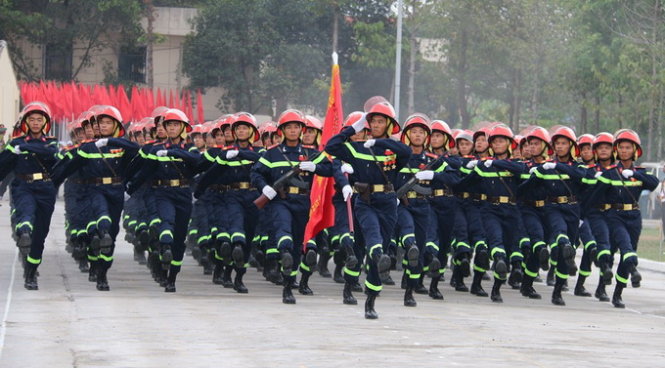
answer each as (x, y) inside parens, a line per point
(443, 216)
(141, 215)
(413, 220)
(521, 242)
(342, 236)
(564, 224)
(242, 219)
(500, 227)
(199, 225)
(34, 204)
(289, 218)
(106, 202)
(469, 229)
(598, 223)
(217, 220)
(263, 231)
(377, 221)
(589, 243)
(151, 210)
(625, 228)
(534, 222)
(174, 207)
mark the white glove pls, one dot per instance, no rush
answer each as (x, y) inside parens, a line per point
(269, 192)
(425, 175)
(370, 143)
(308, 166)
(397, 201)
(532, 170)
(231, 153)
(549, 165)
(598, 174)
(581, 223)
(347, 192)
(162, 153)
(127, 196)
(627, 173)
(488, 163)
(102, 142)
(347, 169)
(359, 125)
(471, 164)
(17, 150)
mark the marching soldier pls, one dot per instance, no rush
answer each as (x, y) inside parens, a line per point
(375, 207)
(31, 158)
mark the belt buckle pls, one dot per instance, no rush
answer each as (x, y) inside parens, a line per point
(243, 185)
(107, 180)
(293, 190)
(562, 199)
(483, 197)
(378, 188)
(605, 207)
(37, 176)
(438, 192)
(466, 195)
(504, 199)
(411, 194)
(627, 207)
(540, 203)
(174, 182)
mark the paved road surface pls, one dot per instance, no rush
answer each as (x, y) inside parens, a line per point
(68, 323)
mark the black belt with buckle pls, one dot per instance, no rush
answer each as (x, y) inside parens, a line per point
(31, 178)
(625, 206)
(562, 199)
(501, 200)
(170, 183)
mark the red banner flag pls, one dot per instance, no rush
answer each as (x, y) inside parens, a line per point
(322, 210)
(160, 101)
(199, 107)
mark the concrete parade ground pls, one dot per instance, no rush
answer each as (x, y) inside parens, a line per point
(68, 323)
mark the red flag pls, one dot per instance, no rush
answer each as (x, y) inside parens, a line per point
(187, 104)
(322, 210)
(149, 102)
(199, 107)
(124, 105)
(171, 99)
(161, 101)
(136, 105)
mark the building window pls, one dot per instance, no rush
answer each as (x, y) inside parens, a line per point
(131, 64)
(58, 62)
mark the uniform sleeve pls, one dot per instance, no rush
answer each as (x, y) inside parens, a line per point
(340, 179)
(649, 182)
(323, 165)
(512, 166)
(7, 162)
(336, 147)
(446, 175)
(260, 173)
(146, 172)
(575, 171)
(66, 167)
(402, 151)
(131, 148)
(207, 178)
(191, 158)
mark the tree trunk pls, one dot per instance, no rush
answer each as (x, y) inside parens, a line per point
(461, 81)
(583, 114)
(515, 99)
(596, 117)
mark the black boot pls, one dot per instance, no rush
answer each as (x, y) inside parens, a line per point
(409, 301)
(606, 272)
(226, 277)
(516, 274)
(635, 277)
(322, 265)
(31, 276)
(458, 276)
(550, 277)
(337, 274)
(476, 287)
(217, 273)
(402, 283)
(500, 267)
(102, 282)
(162, 277)
(527, 290)
(170, 282)
(569, 257)
(383, 263)
(238, 285)
(600, 293)
(557, 299)
(617, 302)
(83, 265)
(579, 287)
(434, 292)
(347, 295)
(370, 313)
(544, 259)
(287, 295)
(420, 288)
(304, 288)
(465, 266)
(496, 291)
(238, 255)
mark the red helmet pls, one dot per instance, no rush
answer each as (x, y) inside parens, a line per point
(198, 129)
(176, 115)
(355, 116)
(157, 113)
(221, 122)
(465, 134)
(386, 109)
(482, 131)
(113, 113)
(630, 136)
(313, 122)
(542, 134)
(413, 120)
(567, 132)
(520, 139)
(247, 119)
(36, 107)
(442, 126)
(269, 128)
(502, 130)
(290, 116)
(585, 139)
(603, 137)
